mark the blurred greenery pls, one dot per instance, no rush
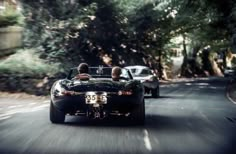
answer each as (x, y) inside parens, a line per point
(9, 17)
(127, 31)
(61, 34)
(27, 63)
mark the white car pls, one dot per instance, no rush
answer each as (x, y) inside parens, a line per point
(149, 79)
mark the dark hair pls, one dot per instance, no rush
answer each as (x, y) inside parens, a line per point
(115, 73)
(83, 68)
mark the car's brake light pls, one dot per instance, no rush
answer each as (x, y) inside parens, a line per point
(68, 93)
(125, 92)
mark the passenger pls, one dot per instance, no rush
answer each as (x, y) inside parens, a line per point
(83, 70)
(115, 73)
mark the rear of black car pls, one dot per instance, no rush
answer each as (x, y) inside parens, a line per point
(97, 98)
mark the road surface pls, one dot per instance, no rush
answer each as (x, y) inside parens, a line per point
(190, 117)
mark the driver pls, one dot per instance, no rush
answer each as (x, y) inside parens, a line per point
(83, 70)
(115, 73)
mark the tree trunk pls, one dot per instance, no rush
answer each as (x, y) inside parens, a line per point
(185, 61)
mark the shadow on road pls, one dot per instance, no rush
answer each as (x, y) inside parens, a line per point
(108, 122)
(164, 97)
(155, 124)
(158, 122)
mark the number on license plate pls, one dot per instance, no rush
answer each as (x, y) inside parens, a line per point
(96, 98)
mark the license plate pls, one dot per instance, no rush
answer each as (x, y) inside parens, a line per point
(95, 97)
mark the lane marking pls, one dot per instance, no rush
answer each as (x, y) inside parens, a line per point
(39, 107)
(47, 101)
(9, 113)
(5, 117)
(22, 110)
(11, 107)
(147, 141)
(14, 106)
(42, 106)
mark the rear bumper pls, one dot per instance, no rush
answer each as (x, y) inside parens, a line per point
(71, 104)
(151, 84)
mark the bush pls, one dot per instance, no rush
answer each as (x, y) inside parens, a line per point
(27, 63)
(10, 17)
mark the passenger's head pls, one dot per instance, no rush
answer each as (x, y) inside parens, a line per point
(115, 73)
(83, 68)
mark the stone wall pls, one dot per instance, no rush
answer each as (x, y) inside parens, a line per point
(35, 86)
(10, 37)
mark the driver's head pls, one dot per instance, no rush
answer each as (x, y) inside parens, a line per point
(83, 68)
(115, 73)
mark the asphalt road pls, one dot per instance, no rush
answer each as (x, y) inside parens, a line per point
(190, 117)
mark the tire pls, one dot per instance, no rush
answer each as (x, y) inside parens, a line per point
(138, 115)
(56, 116)
(155, 92)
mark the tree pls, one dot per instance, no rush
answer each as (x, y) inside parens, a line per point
(91, 30)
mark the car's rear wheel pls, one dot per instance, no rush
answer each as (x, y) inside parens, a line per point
(56, 116)
(138, 115)
(155, 92)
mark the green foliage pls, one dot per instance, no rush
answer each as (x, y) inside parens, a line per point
(209, 22)
(115, 23)
(27, 63)
(80, 30)
(57, 28)
(10, 17)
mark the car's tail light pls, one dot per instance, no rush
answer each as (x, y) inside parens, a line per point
(63, 92)
(68, 93)
(125, 92)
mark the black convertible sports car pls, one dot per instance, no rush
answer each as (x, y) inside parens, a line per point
(97, 97)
